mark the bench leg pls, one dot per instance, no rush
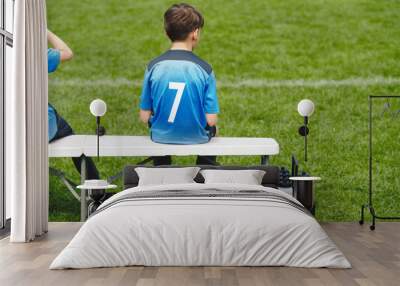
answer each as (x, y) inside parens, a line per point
(264, 159)
(83, 191)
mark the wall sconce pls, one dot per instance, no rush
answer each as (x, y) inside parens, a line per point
(305, 109)
(98, 108)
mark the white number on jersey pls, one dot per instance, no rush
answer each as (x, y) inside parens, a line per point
(179, 86)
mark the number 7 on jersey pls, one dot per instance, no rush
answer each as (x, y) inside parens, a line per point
(179, 86)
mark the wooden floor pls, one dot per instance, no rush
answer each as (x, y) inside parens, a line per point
(375, 257)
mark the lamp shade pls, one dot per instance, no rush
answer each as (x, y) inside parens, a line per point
(305, 107)
(98, 107)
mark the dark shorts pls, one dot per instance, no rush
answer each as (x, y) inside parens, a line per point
(201, 160)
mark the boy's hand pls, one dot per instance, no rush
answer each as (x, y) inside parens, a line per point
(211, 119)
(145, 115)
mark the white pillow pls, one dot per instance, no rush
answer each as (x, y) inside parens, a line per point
(249, 177)
(166, 176)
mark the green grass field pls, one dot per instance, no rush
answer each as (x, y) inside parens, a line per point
(255, 48)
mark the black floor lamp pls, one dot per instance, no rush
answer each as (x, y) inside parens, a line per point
(369, 205)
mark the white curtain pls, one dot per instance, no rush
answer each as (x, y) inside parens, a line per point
(26, 121)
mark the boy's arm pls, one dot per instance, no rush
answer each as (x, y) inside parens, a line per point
(211, 101)
(65, 52)
(145, 115)
(146, 103)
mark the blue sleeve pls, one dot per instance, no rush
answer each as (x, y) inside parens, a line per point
(53, 59)
(211, 100)
(52, 119)
(146, 102)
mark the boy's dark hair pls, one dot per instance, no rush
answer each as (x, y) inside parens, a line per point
(180, 20)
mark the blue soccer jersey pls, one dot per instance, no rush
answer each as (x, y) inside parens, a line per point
(53, 60)
(179, 88)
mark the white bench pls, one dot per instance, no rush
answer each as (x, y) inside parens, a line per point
(139, 146)
(136, 146)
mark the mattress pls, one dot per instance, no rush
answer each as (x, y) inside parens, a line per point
(201, 225)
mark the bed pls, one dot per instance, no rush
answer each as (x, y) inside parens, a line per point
(198, 224)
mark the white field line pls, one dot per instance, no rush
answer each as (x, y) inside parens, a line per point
(251, 83)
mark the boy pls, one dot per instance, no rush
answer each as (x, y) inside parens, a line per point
(179, 100)
(58, 127)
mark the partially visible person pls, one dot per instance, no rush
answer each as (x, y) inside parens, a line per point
(179, 98)
(58, 127)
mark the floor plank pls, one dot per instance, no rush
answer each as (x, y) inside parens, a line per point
(375, 257)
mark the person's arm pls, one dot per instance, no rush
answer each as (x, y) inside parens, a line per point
(211, 106)
(146, 103)
(58, 44)
(145, 115)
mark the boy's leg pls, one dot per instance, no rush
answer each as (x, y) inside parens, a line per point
(64, 130)
(208, 160)
(162, 160)
(91, 171)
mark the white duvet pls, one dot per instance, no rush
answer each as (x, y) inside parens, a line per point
(190, 231)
